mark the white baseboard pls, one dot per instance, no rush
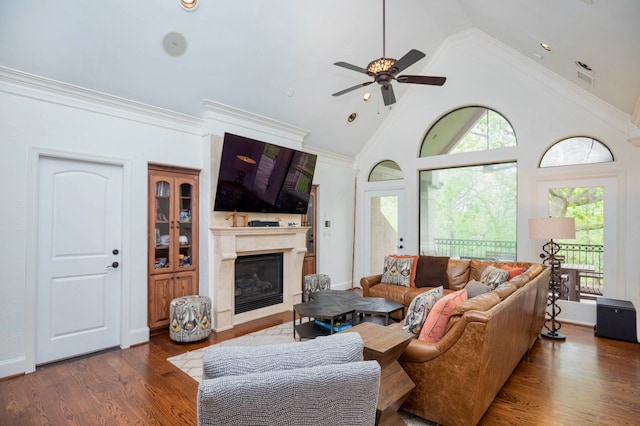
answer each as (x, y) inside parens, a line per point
(13, 367)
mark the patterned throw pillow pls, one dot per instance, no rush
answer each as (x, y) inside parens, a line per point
(436, 323)
(414, 265)
(419, 309)
(493, 277)
(398, 270)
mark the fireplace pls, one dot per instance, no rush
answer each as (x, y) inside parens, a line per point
(233, 243)
(258, 281)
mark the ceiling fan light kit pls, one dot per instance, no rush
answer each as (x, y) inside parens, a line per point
(384, 70)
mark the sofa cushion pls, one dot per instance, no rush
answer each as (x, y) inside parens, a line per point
(475, 288)
(436, 323)
(432, 271)
(398, 270)
(458, 273)
(419, 309)
(492, 276)
(505, 289)
(482, 302)
(390, 291)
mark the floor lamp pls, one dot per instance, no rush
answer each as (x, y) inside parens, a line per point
(549, 228)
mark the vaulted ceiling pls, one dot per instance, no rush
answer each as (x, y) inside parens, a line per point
(275, 58)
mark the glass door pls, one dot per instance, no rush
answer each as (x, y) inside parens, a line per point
(162, 215)
(384, 233)
(185, 226)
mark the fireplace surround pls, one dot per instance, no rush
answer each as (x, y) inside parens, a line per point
(229, 243)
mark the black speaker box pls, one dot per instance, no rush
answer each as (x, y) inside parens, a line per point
(616, 319)
(263, 223)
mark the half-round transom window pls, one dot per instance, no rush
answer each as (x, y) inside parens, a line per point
(385, 170)
(576, 150)
(472, 128)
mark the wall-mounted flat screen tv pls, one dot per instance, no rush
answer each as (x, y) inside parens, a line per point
(257, 176)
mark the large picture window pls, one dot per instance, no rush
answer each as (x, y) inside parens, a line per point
(469, 212)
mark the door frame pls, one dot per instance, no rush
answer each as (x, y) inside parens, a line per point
(31, 255)
(402, 214)
(613, 185)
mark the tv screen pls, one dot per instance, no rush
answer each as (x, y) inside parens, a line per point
(257, 176)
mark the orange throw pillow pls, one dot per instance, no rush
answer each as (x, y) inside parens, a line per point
(436, 323)
(513, 272)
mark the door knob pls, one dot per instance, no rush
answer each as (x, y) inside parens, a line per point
(114, 265)
(400, 246)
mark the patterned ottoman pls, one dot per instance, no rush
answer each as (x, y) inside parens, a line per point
(314, 283)
(190, 318)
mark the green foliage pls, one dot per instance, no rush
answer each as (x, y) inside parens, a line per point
(476, 202)
(586, 206)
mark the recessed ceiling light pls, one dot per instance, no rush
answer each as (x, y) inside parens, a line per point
(352, 117)
(546, 47)
(189, 4)
(366, 96)
(584, 66)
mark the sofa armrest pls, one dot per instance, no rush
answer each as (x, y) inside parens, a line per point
(338, 348)
(421, 351)
(367, 282)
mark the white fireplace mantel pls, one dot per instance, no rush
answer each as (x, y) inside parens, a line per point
(231, 242)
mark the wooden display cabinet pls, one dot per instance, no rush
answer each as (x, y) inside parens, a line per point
(173, 239)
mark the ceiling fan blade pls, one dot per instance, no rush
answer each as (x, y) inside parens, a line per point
(350, 67)
(421, 79)
(387, 94)
(407, 60)
(357, 86)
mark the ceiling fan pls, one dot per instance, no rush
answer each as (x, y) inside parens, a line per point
(384, 71)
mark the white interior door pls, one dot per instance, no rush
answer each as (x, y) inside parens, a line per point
(384, 217)
(79, 242)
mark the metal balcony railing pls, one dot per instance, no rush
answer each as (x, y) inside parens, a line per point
(590, 282)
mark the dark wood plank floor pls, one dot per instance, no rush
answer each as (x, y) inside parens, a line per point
(583, 380)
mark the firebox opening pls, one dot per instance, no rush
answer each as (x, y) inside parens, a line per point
(258, 281)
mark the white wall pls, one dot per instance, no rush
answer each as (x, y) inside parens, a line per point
(38, 116)
(542, 110)
(41, 116)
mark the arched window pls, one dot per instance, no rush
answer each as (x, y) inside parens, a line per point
(576, 150)
(472, 128)
(385, 170)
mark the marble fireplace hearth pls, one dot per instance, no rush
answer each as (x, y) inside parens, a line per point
(230, 243)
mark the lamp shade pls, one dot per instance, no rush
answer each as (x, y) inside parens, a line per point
(552, 227)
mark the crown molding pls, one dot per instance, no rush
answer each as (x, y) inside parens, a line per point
(20, 83)
(228, 115)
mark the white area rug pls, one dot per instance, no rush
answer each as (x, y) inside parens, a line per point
(191, 362)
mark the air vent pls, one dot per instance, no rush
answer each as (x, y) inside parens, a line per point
(585, 77)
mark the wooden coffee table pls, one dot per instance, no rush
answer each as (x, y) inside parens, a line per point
(385, 345)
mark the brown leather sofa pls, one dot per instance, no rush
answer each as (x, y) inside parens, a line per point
(458, 377)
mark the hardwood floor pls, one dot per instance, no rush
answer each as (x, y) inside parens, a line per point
(583, 380)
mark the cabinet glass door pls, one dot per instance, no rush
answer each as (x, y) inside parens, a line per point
(162, 225)
(185, 226)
